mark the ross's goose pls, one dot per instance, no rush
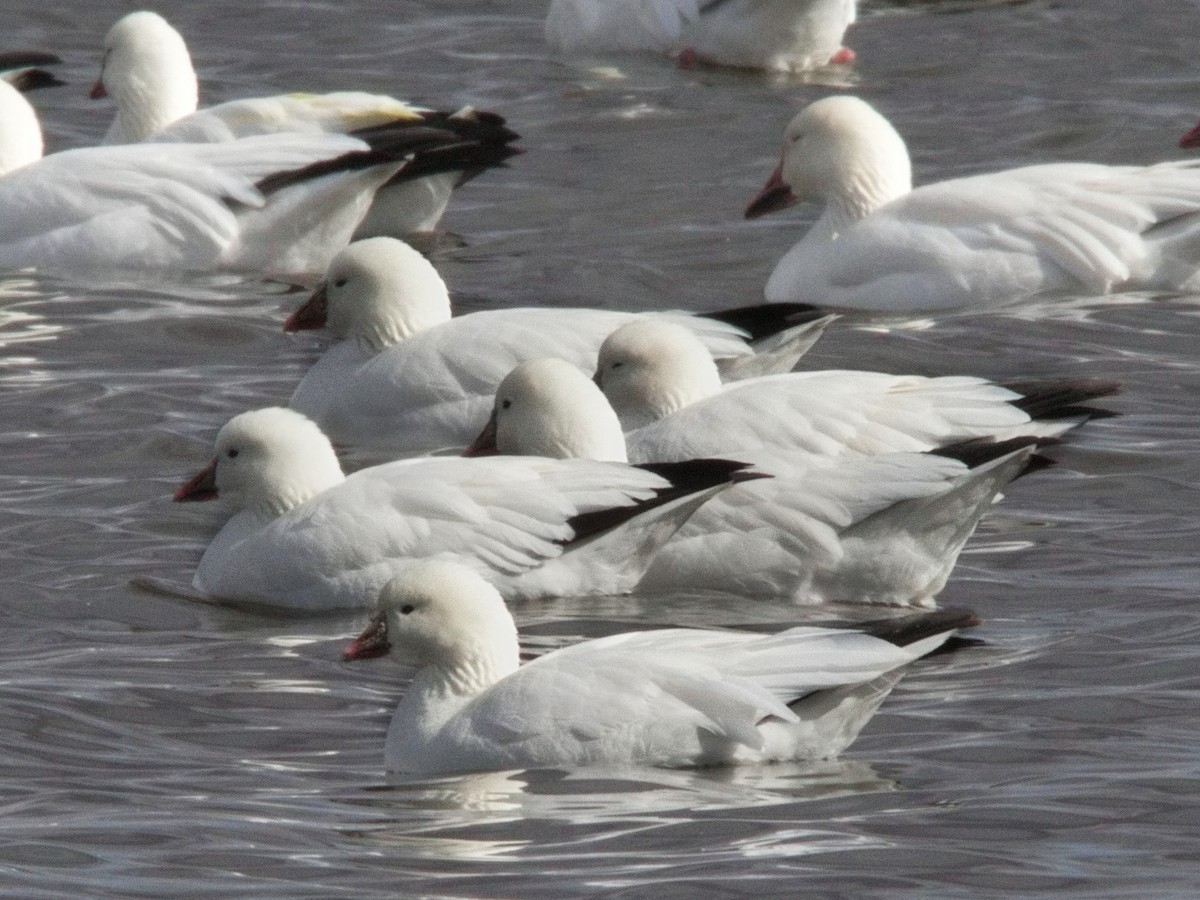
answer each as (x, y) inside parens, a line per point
(406, 378)
(1056, 228)
(673, 697)
(776, 35)
(669, 397)
(22, 69)
(283, 203)
(882, 529)
(148, 71)
(304, 536)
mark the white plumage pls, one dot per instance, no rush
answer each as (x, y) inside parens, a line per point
(1056, 228)
(777, 35)
(191, 206)
(672, 698)
(877, 529)
(304, 536)
(406, 378)
(148, 71)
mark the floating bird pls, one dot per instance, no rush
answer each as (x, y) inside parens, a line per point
(304, 536)
(776, 35)
(406, 378)
(1080, 228)
(673, 697)
(278, 204)
(880, 529)
(148, 71)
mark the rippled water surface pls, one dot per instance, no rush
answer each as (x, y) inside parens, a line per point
(154, 746)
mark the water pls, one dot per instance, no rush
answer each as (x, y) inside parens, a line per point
(154, 746)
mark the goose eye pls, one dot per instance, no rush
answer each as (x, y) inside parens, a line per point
(406, 609)
(232, 452)
(505, 404)
(617, 365)
(340, 283)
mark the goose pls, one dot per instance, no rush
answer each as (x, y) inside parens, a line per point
(303, 536)
(775, 35)
(669, 397)
(880, 244)
(148, 71)
(405, 378)
(675, 697)
(882, 529)
(279, 204)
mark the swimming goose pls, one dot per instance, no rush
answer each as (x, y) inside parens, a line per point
(1079, 228)
(776, 35)
(669, 398)
(148, 71)
(884, 529)
(406, 378)
(304, 536)
(280, 204)
(670, 697)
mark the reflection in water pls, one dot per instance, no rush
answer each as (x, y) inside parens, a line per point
(598, 806)
(154, 745)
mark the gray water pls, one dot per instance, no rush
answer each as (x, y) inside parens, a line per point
(153, 746)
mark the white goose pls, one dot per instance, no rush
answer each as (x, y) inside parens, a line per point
(406, 378)
(673, 697)
(776, 35)
(881, 529)
(671, 401)
(304, 536)
(280, 203)
(1056, 228)
(148, 72)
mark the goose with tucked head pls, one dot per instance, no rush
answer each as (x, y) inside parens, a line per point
(148, 71)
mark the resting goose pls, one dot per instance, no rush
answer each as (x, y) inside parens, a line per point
(405, 378)
(279, 203)
(148, 71)
(775, 35)
(671, 697)
(880, 244)
(304, 536)
(882, 529)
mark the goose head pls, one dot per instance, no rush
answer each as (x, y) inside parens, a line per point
(379, 291)
(443, 615)
(20, 133)
(148, 72)
(841, 152)
(547, 407)
(649, 368)
(267, 461)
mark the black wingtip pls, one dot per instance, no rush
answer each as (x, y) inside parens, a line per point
(978, 451)
(33, 79)
(1052, 400)
(689, 477)
(765, 319)
(908, 629)
(473, 141)
(386, 144)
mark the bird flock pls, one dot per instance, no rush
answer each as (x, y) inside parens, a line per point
(432, 469)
